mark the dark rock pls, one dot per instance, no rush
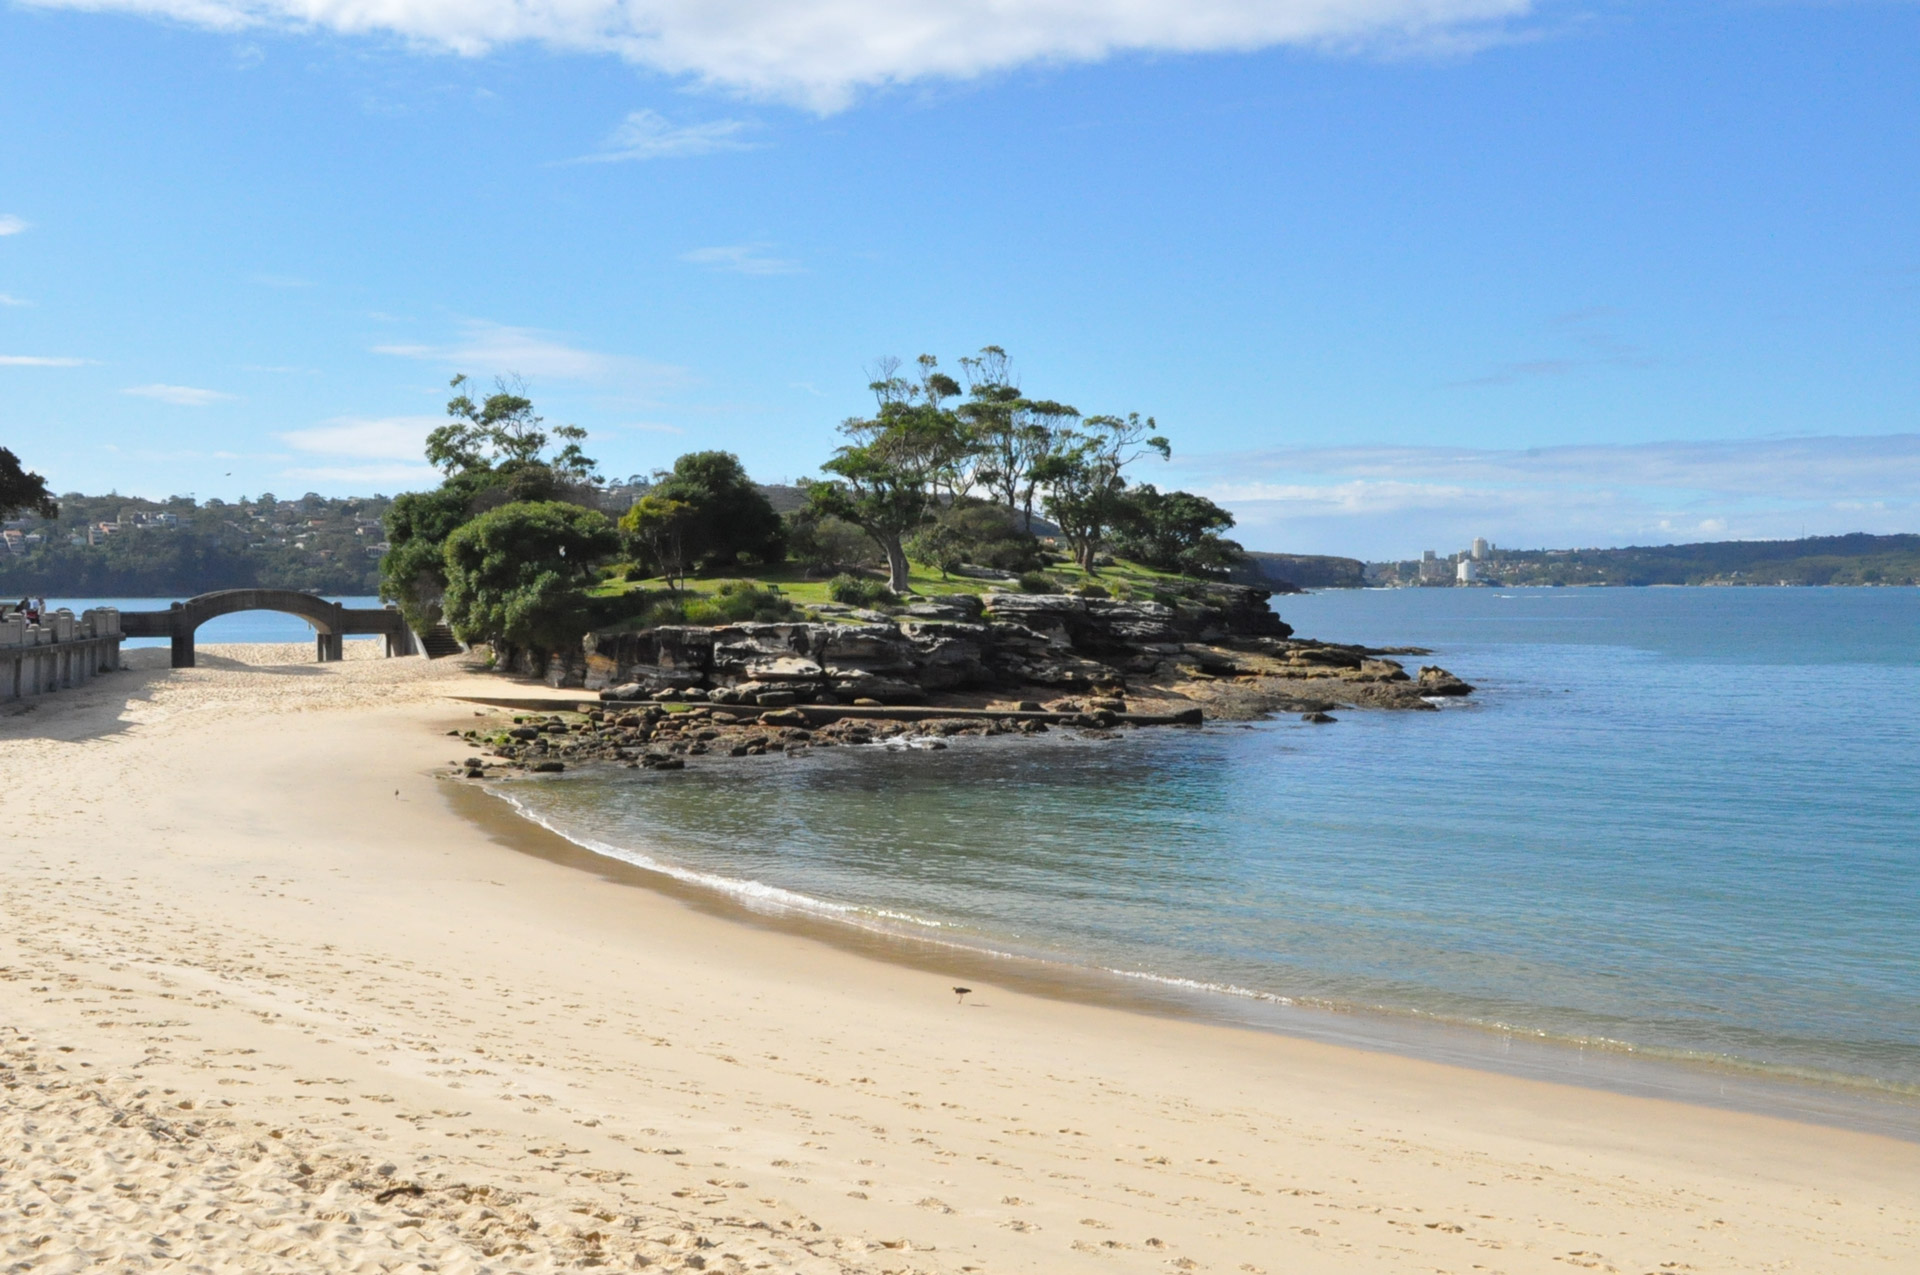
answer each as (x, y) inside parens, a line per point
(784, 717)
(774, 699)
(548, 767)
(1437, 681)
(1319, 719)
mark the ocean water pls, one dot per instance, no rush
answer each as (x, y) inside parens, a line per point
(1675, 823)
(242, 626)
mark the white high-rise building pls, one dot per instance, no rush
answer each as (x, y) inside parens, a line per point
(1466, 572)
(1481, 549)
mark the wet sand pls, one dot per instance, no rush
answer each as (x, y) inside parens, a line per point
(268, 1001)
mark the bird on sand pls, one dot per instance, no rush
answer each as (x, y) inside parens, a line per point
(961, 994)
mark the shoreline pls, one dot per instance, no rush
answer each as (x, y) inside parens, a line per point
(1725, 1083)
(271, 1000)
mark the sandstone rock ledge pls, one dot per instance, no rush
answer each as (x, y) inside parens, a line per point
(1224, 650)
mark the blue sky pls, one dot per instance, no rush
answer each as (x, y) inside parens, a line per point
(1391, 273)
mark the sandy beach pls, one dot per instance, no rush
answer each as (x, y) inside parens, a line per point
(270, 1002)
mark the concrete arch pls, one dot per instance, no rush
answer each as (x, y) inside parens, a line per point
(332, 621)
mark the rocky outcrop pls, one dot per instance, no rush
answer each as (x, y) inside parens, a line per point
(1437, 681)
(957, 642)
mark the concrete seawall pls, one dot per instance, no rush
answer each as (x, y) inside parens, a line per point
(61, 651)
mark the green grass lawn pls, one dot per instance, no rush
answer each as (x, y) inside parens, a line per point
(790, 580)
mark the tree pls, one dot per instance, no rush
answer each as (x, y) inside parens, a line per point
(727, 517)
(500, 429)
(1086, 481)
(887, 481)
(1009, 432)
(413, 572)
(516, 575)
(657, 525)
(879, 490)
(22, 491)
(491, 453)
(1175, 531)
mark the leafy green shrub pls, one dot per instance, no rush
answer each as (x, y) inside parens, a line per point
(858, 591)
(516, 576)
(978, 533)
(825, 544)
(666, 611)
(734, 602)
(1094, 591)
(1037, 582)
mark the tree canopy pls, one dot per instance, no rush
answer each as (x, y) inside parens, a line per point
(491, 451)
(1175, 531)
(517, 575)
(725, 517)
(22, 491)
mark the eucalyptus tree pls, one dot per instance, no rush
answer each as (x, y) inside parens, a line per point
(888, 480)
(1085, 479)
(1011, 433)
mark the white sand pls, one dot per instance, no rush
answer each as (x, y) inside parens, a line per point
(255, 975)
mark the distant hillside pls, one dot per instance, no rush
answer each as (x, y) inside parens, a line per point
(1818, 560)
(123, 546)
(1301, 571)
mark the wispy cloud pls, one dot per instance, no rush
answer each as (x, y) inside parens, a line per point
(485, 348)
(364, 450)
(1590, 346)
(651, 135)
(11, 225)
(7, 298)
(363, 477)
(39, 360)
(742, 258)
(1390, 501)
(366, 438)
(178, 395)
(822, 53)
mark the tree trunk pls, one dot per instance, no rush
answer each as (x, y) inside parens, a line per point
(896, 565)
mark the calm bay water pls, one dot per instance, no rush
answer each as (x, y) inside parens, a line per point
(242, 626)
(1685, 822)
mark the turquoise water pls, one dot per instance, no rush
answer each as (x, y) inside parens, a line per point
(242, 626)
(1676, 822)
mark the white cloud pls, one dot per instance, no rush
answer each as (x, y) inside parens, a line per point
(178, 395)
(11, 225)
(821, 52)
(7, 298)
(485, 349)
(515, 350)
(365, 477)
(38, 360)
(366, 438)
(650, 135)
(742, 258)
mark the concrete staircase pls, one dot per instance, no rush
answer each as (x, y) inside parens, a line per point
(439, 642)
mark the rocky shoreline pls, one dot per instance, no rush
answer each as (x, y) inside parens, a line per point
(1008, 663)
